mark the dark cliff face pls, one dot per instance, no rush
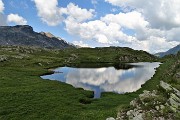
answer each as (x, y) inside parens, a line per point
(23, 35)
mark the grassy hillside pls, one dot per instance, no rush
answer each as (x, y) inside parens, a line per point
(24, 95)
(109, 54)
(162, 100)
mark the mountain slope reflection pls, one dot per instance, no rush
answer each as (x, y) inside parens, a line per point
(106, 79)
(101, 65)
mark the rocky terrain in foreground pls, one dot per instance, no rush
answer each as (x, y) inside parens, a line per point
(163, 107)
(152, 105)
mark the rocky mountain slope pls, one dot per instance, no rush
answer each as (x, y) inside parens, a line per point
(170, 51)
(23, 35)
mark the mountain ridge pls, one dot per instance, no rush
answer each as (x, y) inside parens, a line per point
(24, 35)
(173, 50)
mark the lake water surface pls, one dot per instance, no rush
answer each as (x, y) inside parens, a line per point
(111, 78)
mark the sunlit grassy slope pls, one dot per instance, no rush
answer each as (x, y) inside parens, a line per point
(24, 95)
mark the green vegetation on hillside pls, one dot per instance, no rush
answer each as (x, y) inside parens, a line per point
(24, 95)
(162, 100)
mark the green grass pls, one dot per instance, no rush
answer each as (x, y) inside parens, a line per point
(24, 95)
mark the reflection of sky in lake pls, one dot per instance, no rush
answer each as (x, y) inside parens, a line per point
(106, 79)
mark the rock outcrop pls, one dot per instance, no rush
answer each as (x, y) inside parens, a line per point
(152, 105)
(128, 58)
(174, 97)
(23, 35)
(3, 58)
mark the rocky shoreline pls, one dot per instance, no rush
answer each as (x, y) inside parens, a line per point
(161, 104)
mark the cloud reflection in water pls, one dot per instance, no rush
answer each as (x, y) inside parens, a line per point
(106, 79)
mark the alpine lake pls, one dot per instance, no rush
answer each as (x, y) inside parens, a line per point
(106, 77)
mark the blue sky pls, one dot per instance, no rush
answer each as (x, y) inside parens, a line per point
(100, 22)
(27, 9)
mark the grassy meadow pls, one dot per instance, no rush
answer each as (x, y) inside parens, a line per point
(24, 95)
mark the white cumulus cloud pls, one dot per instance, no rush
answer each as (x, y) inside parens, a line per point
(163, 17)
(2, 16)
(162, 14)
(97, 30)
(152, 25)
(1, 6)
(131, 20)
(49, 12)
(52, 15)
(77, 13)
(80, 43)
(15, 18)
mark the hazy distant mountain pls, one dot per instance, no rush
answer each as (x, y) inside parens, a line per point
(174, 50)
(23, 35)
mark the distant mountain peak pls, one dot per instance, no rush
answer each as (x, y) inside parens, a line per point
(173, 50)
(23, 35)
